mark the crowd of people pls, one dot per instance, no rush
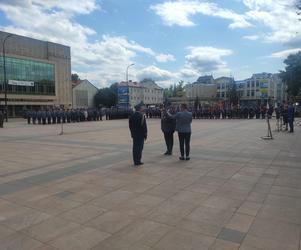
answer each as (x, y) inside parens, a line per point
(216, 112)
(54, 116)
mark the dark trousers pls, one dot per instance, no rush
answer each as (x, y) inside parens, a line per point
(168, 136)
(137, 149)
(291, 124)
(184, 139)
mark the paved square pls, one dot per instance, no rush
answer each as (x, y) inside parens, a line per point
(80, 191)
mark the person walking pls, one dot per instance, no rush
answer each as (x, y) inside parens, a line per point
(138, 129)
(183, 126)
(168, 125)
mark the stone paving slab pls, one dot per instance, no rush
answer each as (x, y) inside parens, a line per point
(80, 190)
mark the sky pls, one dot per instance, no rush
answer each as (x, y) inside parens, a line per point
(166, 40)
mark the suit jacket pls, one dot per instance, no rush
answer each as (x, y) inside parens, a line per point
(168, 124)
(183, 121)
(137, 125)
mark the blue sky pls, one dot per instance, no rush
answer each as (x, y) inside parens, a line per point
(167, 41)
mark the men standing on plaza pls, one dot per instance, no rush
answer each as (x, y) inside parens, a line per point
(183, 126)
(168, 125)
(138, 128)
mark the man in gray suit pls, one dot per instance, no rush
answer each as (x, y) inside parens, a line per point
(183, 126)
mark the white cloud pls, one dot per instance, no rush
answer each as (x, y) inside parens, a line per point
(188, 73)
(179, 13)
(285, 53)
(206, 60)
(252, 38)
(165, 58)
(103, 61)
(155, 73)
(71, 6)
(279, 16)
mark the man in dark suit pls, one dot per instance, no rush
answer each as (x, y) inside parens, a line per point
(168, 125)
(138, 128)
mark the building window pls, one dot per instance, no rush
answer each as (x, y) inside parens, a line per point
(24, 70)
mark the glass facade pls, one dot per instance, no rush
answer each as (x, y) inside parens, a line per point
(42, 74)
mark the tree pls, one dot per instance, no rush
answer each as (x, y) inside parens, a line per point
(107, 96)
(292, 74)
(233, 94)
(180, 89)
(75, 78)
(197, 102)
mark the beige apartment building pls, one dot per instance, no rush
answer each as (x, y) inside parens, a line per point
(203, 88)
(38, 74)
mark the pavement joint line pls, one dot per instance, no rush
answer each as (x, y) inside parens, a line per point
(27, 182)
(47, 165)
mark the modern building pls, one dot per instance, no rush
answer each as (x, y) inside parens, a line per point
(38, 74)
(261, 88)
(147, 92)
(83, 94)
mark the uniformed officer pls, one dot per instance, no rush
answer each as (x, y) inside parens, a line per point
(138, 129)
(1, 118)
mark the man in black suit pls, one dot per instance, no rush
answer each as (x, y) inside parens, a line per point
(138, 128)
(168, 125)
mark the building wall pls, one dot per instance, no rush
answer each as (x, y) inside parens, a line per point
(83, 95)
(262, 87)
(223, 86)
(149, 93)
(201, 90)
(59, 55)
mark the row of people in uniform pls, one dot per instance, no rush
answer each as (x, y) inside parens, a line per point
(215, 112)
(53, 116)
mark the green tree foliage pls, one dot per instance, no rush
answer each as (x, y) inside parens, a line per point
(197, 102)
(107, 97)
(292, 74)
(175, 90)
(233, 94)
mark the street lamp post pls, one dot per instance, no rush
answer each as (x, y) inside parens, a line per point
(127, 72)
(4, 75)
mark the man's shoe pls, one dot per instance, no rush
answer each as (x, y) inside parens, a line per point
(166, 153)
(181, 158)
(187, 158)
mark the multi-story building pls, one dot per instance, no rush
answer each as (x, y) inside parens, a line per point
(261, 88)
(147, 92)
(223, 86)
(83, 94)
(203, 88)
(38, 74)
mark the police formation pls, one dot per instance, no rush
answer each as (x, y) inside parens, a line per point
(215, 112)
(54, 116)
(57, 116)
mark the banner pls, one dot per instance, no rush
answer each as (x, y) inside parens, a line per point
(264, 86)
(123, 90)
(21, 83)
